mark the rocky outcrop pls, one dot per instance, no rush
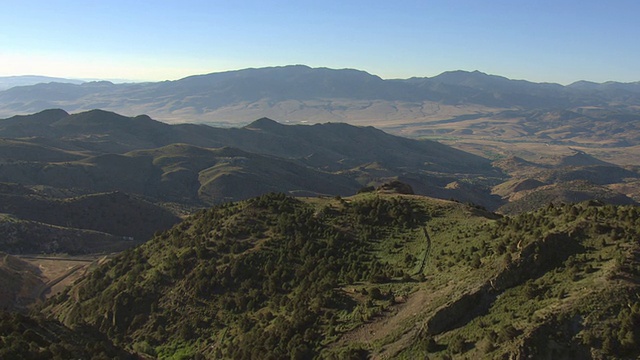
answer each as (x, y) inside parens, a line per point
(396, 187)
(531, 261)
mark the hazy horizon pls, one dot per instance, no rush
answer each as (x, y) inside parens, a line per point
(546, 41)
(122, 81)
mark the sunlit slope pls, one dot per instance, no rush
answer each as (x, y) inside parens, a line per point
(379, 275)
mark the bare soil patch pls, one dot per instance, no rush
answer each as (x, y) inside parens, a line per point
(58, 273)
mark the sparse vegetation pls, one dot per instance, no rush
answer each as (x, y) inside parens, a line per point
(382, 273)
(276, 277)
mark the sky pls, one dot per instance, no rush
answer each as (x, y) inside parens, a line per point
(559, 41)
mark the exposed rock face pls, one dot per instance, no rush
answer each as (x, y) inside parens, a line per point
(460, 310)
(533, 259)
(537, 257)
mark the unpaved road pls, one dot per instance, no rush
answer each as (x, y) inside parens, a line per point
(58, 272)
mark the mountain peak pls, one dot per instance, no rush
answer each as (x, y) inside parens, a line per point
(51, 114)
(461, 76)
(581, 158)
(43, 117)
(93, 118)
(263, 123)
(54, 112)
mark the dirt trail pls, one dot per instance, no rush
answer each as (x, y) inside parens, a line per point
(418, 314)
(383, 325)
(58, 272)
(427, 251)
(41, 291)
(403, 323)
(399, 321)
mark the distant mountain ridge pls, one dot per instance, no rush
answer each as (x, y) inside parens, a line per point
(74, 175)
(7, 82)
(100, 151)
(299, 89)
(334, 142)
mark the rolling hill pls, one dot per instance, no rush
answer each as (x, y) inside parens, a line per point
(93, 181)
(571, 178)
(30, 237)
(385, 273)
(98, 131)
(92, 178)
(115, 213)
(99, 151)
(40, 219)
(376, 275)
(488, 115)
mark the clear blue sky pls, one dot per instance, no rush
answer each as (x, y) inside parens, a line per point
(539, 40)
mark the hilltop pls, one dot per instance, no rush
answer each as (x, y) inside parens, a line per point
(375, 275)
(98, 182)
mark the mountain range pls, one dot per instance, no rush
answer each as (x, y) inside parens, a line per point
(135, 170)
(290, 240)
(100, 151)
(126, 178)
(297, 92)
(7, 82)
(487, 115)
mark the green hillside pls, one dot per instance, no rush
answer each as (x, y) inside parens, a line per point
(27, 337)
(114, 213)
(374, 275)
(32, 237)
